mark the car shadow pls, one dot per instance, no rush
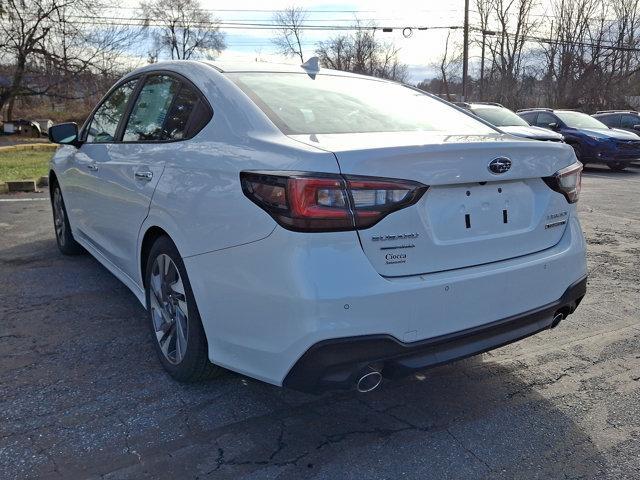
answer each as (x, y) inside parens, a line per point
(87, 397)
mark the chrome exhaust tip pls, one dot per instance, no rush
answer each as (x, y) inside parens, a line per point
(369, 381)
(557, 318)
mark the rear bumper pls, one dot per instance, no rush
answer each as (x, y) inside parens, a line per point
(265, 304)
(335, 363)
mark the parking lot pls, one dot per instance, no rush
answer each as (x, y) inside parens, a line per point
(82, 394)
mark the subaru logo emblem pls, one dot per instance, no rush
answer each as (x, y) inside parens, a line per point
(499, 165)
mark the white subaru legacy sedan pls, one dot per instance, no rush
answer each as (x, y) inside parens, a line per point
(316, 229)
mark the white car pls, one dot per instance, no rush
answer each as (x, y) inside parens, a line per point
(317, 229)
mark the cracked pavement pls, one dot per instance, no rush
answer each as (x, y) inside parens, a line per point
(82, 394)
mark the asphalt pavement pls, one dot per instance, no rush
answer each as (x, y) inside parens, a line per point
(82, 394)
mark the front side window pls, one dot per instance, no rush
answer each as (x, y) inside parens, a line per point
(147, 119)
(610, 120)
(105, 121)
(545, 119)
(301, 104)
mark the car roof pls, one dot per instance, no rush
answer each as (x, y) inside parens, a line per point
(614, 112)
(269, 67)
(485, 104)
(224, 67)
(552, 110)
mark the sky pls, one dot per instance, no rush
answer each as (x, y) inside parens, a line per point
(420, 50)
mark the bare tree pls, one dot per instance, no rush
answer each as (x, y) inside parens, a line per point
(288, 39)
(514, 24)
(568, 50)
(183, 28)
(361, 52)
(448, 65)
(445, 66)
(46, 50)
(578, 54)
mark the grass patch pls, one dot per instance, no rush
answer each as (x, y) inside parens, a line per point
(24, 165)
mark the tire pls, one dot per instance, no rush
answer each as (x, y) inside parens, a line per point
(64, 238)
(179, 339)
(617, 166)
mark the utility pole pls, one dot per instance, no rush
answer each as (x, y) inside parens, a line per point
(484, 37)
(465, 53)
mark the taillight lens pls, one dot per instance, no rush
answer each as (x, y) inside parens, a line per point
(374, 198)
(567, 181)
(311, 202)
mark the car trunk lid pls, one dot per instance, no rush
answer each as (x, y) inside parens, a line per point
(469, 215)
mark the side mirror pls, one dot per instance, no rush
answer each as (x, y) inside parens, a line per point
(64, 134)
(554, 126)
(636, 127)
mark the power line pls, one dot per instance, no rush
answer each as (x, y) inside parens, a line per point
(550, 15)
(243, 25)
(275, 10)
(551, 41)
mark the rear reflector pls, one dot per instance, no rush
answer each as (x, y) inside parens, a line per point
(319, 202)
(567, 181)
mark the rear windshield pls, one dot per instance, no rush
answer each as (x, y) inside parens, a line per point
(300, 104)
(500, 117)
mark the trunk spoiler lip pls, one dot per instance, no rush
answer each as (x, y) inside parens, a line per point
(348, 142)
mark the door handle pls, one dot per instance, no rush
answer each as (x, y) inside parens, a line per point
(143, 175)
(92, 166)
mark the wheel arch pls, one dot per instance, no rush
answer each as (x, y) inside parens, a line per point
(53, 180)
(150, 236)
(577, 148)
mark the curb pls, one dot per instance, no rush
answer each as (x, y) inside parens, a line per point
(21, 186)
(29, 146)
(26, 185)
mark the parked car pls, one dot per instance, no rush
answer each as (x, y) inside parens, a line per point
(592, 140)
(509, 122)
(44, 124)
(25, 128)
(313, 228)
(628, 120)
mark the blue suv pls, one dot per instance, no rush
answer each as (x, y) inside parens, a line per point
(591, 139)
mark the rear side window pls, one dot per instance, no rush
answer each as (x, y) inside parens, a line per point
(628, 121)
(166, 109)
(104, 123)
(175, 127)
(150, 110)
(200, 116)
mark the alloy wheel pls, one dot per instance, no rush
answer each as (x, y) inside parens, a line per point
(58, 216)
(169, 311)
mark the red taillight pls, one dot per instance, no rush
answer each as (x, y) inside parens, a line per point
(310, 202)
(567, 181)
